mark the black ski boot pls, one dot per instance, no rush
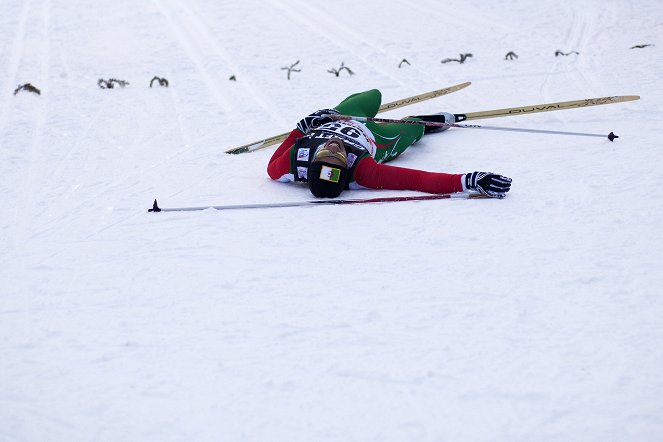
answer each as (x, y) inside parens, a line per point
(442, 117)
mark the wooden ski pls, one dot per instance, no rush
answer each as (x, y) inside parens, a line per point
(384, 108)
(546, 107)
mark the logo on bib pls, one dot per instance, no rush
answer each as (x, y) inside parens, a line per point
(302, 154)
(351, 159)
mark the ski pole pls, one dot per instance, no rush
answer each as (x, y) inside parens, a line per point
(322, 202)
(611, 136)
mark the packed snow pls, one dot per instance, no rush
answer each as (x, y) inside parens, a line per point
(537, 317)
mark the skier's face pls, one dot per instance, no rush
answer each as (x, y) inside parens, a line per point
(333, 152)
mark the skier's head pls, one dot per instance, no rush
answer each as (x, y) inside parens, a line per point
(328, 170)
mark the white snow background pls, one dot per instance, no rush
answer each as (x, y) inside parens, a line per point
(535, 318)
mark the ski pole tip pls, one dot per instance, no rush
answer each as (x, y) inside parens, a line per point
(155, 207)
(612, 136)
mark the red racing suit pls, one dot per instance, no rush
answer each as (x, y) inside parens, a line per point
(366, 173)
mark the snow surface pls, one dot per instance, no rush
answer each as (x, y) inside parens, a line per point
(538, 317)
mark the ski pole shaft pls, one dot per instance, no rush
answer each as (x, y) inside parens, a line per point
(611, 136)
(321, 202)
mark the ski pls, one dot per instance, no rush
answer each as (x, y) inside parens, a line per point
(277, 139)
(321, 202)
(546, 107)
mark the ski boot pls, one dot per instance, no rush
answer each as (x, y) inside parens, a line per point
(441, 117)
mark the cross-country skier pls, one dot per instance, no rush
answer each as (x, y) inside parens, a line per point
(333, 155)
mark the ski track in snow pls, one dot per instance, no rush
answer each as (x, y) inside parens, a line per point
(348, 40)
(30, 186)
(13, 64)
(183, 28)
(205, 50)
(579, 37)
(537, 317)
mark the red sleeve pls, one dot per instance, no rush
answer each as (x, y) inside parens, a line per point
(381, 176)
(279, 164)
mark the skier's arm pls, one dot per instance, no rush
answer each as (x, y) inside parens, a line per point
(372, 175)
(279, 164)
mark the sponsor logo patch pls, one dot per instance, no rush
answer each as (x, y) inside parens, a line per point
(302, 154)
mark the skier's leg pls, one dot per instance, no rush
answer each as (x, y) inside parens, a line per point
(392, 139)
(362, 104)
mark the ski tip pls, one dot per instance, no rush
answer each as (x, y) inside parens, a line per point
(612, 136)
(155, 207)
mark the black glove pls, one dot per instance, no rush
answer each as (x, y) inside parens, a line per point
(316, 119)
(488, 183)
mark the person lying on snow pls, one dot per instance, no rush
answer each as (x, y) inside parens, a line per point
(333, 155)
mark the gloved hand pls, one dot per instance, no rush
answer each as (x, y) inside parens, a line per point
(316, 119)
(488, 183)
